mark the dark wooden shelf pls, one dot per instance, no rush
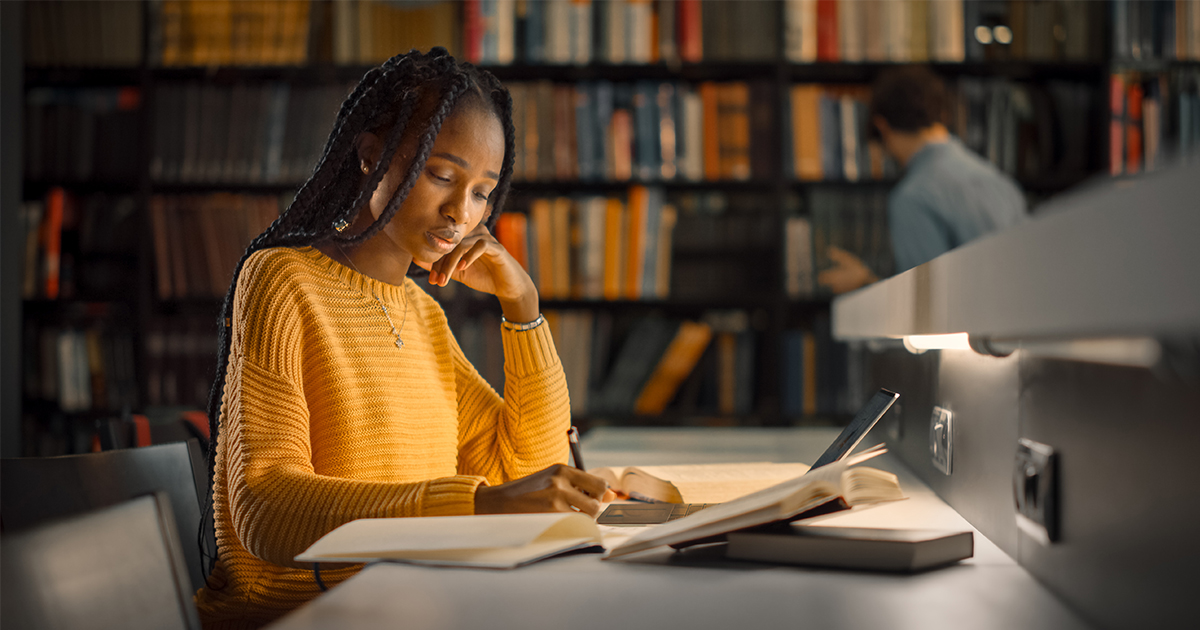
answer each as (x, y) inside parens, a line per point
(255, 188)
(839, 72)
(77, 308)
(35, 189)
(328, 73)
(764, 186)
(54, 76)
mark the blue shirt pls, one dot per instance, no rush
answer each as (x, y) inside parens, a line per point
(948, 196)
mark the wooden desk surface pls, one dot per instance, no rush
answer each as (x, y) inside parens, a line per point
(697, 588)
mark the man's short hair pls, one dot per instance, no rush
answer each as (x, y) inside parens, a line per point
(909, 98)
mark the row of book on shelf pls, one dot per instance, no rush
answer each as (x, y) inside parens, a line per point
(1154, 118)
(594, 248)
(82, 134)
(271, 132)
(79, 367)
(580, 32)
(1156, 29)
(78, 246)
(851, 220)
(617, 367)
(586, 131)
(591, 130)
(90, 364)
(198, 239)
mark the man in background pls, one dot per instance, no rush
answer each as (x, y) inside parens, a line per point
(947, 195)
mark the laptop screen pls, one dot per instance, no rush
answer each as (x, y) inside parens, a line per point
(854, 432)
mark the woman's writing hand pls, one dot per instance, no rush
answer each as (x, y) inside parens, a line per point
(482, 263)
(558, 488)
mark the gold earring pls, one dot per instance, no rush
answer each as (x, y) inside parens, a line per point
(366, 169)
(340, 225)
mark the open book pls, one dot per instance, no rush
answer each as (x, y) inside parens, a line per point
(498, 541)
(830, 488)
(698, 483)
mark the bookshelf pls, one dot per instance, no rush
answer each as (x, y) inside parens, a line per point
(198, 79)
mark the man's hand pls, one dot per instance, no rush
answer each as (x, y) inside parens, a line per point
(847, 274)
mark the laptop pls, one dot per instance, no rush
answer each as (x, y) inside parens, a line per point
(654, 513)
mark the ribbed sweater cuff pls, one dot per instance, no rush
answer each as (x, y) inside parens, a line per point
(530, 351)
(451, 496)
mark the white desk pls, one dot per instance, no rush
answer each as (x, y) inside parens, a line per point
(696, 588)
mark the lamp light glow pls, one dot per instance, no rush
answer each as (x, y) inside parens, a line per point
(920, 343)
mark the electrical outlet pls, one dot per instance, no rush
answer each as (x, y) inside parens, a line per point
(941, 439)
(1035, 490)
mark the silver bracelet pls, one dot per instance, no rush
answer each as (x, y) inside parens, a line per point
(522, 327)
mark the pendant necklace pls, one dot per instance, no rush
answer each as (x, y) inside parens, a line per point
(382, 306)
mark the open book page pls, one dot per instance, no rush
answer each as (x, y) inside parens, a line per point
(499, 540)
(779, 502)
(698, 483)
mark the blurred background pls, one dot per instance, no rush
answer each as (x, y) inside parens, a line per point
(683, 168)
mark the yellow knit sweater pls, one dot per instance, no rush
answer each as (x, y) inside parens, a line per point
(325, 420)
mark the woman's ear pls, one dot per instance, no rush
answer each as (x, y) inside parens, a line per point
(369, 147)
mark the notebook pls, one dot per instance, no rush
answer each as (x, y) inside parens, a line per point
(847, 440)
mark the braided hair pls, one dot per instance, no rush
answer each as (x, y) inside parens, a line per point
(386, 102)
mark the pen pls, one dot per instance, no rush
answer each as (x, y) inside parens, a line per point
(573, 441)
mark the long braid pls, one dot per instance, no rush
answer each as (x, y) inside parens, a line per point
(385, 98)
(424, 148)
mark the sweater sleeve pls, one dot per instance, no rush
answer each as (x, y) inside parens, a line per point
(278, 503)
(526, 431)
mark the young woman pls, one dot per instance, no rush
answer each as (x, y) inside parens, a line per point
(341, 392)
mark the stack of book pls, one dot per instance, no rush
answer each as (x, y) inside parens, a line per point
(198, 240)
(266, 133)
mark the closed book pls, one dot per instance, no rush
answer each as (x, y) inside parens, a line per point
(638, 234)
(712, 148)
(499, 541)
(675, 365)
(542, 214)
(827, 30)
(511, 231)
(830, 488)
(614, 248)
(806, 132)
(872, 549)
(639, 355)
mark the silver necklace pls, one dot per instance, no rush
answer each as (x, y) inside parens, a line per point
(382, 306)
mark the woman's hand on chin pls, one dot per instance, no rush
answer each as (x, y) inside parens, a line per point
(481, 262)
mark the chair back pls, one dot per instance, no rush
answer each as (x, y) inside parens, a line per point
(117, 567)
(36, 489)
